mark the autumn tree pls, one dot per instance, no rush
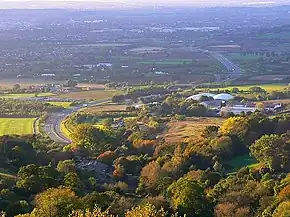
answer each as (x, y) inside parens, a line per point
(54, 202)
(231, 210)
(284, 193)
(283, 210)
(97, 212)
(236, 126)
(210, 131)
(149, 176)
(148, 210)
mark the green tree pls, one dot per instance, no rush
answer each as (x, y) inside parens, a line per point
(66, 166)
(188, 197)
(272, 150)
(16, 87)
(89, 137)
(72, 181)
(95, 199)
(257, 90)
(70, 83)
(235, 90)
(34, 179)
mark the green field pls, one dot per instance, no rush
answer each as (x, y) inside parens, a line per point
(239, 56)
(242, 161)
(167, 62)
(24, 95)
(282, 35)
(267, 87)
(16, 126)
(62, 104)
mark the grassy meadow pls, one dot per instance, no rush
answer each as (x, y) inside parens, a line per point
(267, 87)
(24, 95)
(190, 129)
(16, 126)
(241, 161)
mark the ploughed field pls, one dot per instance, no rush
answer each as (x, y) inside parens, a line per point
(16, 126)
(90, 95)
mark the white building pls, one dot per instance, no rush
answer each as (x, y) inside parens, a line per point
(224, 96)
(238, 109)
(198, 96)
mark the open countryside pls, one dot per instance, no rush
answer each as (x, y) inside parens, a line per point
(90, 95)
(190, 129)
(267, 87)
(145, 111)
(24, 95)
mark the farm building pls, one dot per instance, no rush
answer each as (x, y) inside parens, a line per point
(198, 96)
(238, 109)
(224, 96)
(109, 65)
(221, 96)
(213, 104)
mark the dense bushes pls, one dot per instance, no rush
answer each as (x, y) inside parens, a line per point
(22, 108)
(145, 176)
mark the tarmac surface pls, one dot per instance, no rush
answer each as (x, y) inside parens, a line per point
(53, 122)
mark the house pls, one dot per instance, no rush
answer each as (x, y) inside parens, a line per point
(238, 109)
(47, 75)
(224, 96)
(108, 65)
(197, 97)
(273, 107)
(213, 104)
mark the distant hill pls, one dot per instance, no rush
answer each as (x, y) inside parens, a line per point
(102, 4)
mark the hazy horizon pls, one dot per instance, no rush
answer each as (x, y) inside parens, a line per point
(130, 3)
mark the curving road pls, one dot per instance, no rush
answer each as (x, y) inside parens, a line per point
(53, 122)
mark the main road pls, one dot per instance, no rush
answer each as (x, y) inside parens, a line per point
(53, 122)
(233, 70)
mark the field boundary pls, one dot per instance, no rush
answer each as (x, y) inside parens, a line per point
(36, 130)
(65, 129)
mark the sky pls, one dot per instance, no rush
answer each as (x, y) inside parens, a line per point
(134, 3)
